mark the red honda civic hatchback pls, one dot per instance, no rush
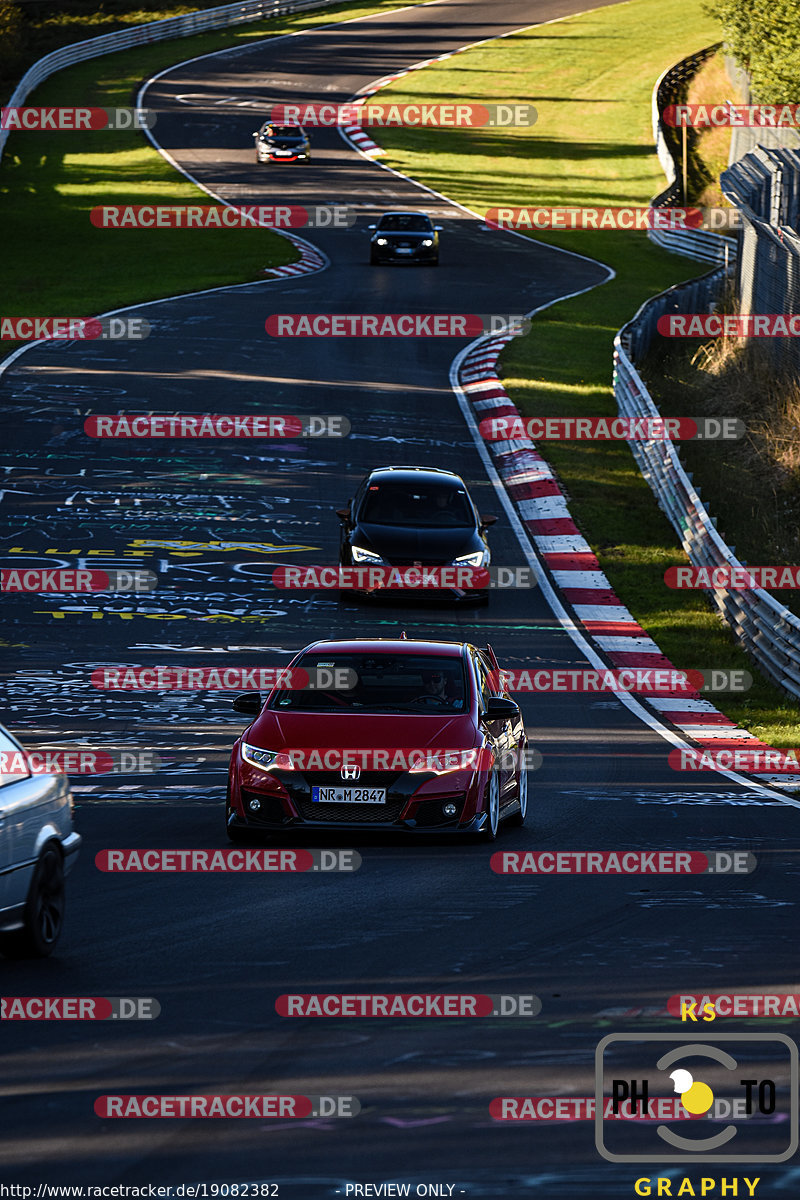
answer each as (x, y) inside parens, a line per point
(393, 734)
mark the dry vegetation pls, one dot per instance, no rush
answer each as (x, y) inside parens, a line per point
(710, 146)
(752, 486)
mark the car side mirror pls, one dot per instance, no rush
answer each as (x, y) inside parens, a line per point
(499, 708)
(487, 519)
(438, 228)
(343, 514)
(249, 703)
(372, 227)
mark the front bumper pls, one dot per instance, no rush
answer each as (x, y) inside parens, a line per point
(295, 809)
(271, 156)
(392, 254)
(426, 595)
(420, 594)
(474, 826)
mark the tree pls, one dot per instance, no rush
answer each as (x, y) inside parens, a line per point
(764, 37)
(12, 38)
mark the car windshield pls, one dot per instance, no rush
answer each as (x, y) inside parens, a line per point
(378, 683)
(284, 131)
(418, 505)
(404, 223)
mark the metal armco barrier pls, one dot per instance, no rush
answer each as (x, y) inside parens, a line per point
(670, 88)
(155, 31)
(763, 626)
(765, 187)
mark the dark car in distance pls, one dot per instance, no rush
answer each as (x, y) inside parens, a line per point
(405, 237)
(426, 740)
(414, 516)
(281, 143)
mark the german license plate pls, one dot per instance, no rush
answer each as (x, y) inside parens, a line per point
(404, 250)
(348, 795)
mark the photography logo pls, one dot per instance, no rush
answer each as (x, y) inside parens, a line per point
(669, 1098)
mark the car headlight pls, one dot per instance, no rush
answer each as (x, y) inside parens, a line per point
(381, 241)
(427, 241)
(265, 759)
(445, 762)
(479, 558)
(360, 555)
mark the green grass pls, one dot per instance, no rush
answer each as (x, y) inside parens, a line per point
(37, 29)
(46, 27)
(54, 262)
(590, 78)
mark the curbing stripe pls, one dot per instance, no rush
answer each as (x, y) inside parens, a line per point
(575, 571)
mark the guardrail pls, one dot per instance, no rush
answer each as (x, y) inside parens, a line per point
(765, 187)
(154, 31)
(763, 626)
(670, 88)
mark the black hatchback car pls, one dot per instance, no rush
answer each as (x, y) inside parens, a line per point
(405, 237)
(281, 143)
(414, 516)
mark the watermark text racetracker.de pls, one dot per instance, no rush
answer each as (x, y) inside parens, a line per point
(78, 760)
(201, 862)
(728, 115)
(141, 1191)
(729, 325)
(59, 120)
(616, 429)
(628, 219)
(216, 425)
(205, 1107)
(379, 578)
(623, 862)
(224, 679)
(79, 1008)
(371, 114)
(405, 1004)
(648, 681)
(695, 1006)
(71, 581)
(104, 329)
(214, 216)
(401, 325)
(736, 579)
(758, 760)
(416, 760)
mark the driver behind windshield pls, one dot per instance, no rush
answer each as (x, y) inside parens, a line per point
(441, 685)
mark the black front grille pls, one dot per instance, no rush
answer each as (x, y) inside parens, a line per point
(374, 814)
(352, 814)
(422, 561)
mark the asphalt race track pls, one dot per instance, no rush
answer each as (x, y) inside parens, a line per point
(214, 519)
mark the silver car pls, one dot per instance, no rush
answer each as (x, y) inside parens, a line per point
(37, 850)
